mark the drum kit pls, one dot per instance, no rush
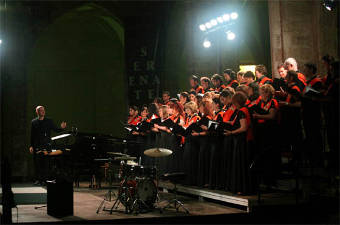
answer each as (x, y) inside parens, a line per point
(138, 187)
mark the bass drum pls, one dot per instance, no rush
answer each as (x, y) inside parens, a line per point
(131, 189)
(147, 191)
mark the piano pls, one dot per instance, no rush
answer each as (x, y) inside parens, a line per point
(86, 153)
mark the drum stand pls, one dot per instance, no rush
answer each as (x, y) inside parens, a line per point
(118, 201)
(107, 197)
(136, 206)
(158, 198)
(109, 194)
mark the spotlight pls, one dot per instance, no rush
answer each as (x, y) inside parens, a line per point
(230, 35)
(208, 25)
(213, 22)
(202, 27)
(220, 19)
(0, 41)
(206, 44)
(329, 4)
(233, 16)
(226, 17)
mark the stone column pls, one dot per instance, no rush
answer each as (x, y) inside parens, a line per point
(276, 40)
(304, 30)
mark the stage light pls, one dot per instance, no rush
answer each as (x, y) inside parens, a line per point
(202, 27)
(220, 19)
(206, 44)
(233, 16)
(230, 35)
(208, 25)
(245, 68)
(213, 22)
(0, 41)
(329, 4)
(226, 17)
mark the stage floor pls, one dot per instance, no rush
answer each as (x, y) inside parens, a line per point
(86, 202)
(275, 208)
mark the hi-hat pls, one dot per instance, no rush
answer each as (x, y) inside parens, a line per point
(117, 153)
(157, 152)
(60, 136)
(125, 158)
(131, 163)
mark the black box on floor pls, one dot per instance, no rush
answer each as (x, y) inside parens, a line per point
(59, 198)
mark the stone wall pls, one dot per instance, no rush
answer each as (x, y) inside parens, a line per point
(304, 30)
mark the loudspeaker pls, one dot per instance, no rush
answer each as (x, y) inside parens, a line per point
(59, 198)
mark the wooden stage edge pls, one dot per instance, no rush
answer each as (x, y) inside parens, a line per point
(246, 202)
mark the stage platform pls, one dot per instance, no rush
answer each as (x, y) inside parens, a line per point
(244, 202)
(26, 195)
(202, 204)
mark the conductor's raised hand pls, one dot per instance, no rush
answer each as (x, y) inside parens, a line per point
(63, 125)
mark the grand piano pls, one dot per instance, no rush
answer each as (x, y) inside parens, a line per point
(86, 154)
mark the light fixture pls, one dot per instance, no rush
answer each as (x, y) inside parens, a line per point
(226, 17)
(0, 41)
(208, 25)
(245, 68)
(202, 27)
(329, 4)
(220, 19)
(213, 22)
(230, 35)
(206, 44)
(233, 15)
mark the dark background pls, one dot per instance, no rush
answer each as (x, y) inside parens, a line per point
(87, 61)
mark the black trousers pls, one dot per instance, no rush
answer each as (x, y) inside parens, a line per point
(41, 167)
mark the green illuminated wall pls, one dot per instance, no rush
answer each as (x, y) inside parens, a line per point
(77, 71)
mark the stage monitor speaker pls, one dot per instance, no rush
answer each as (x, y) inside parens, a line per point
(59, 198)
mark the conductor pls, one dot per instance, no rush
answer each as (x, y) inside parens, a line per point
(41, 143)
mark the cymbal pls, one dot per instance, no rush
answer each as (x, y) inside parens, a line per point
(60, 136)
(102, 160)
(125, 158)
(157, 152)
(117, 153)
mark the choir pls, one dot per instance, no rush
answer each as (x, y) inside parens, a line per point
(224, 127)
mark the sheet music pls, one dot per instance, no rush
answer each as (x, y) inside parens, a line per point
(211, 122)
(308, 88)
(128, 128)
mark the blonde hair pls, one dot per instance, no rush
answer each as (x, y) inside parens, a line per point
(230, 89)
(164, 109)
(208, 95)
(192, 106)
(207, 107)
(268, 89)
(240, 73)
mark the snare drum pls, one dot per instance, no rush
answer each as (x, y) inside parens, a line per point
(130, 171)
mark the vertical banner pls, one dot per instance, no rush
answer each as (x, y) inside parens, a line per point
(143, 74)
(144, 55)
